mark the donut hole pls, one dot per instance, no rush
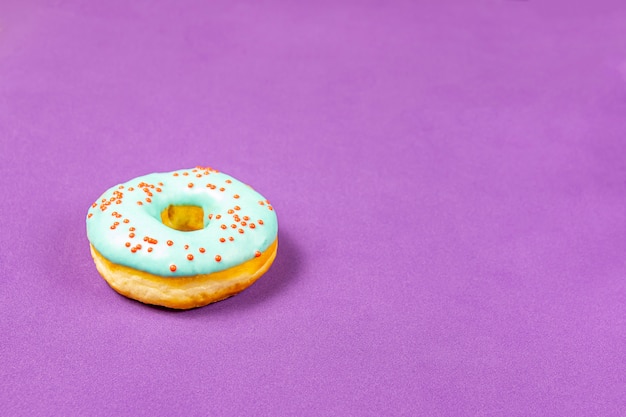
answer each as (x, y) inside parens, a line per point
(183, 218)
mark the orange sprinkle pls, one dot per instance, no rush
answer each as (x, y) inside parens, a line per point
(199, 175)
(158, 190)
(234, 226)
(236, 196)
(201, 250)
(222, 189)
(246, 218)
(185, 173)
(260, 221)
(218, 258)
(113, 227)
(228, 181)
(173, 268)
(219, 216)
(140, 203)
(237, 208)
(145, 238)
(176, 174)
(148, 200)
(89, 215)
(243, 223)
(223, 226)
(257, 253)
(126, 220)
(211, 216)
(133, 250)
(94, 205)
(231, 211)
(127, 244)
(252, 225)
(231, 238)
(131, 235)
(170, 243)
(161, 184)
(270, 207)
(131, 189)
(240, 230)
(190, 185)
(138, 246)
(222, 239)
(131, 229)
(190, 257)
(118, 202)
(149, 249)
(186, 246)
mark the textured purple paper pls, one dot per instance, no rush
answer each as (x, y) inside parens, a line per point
(450, 182)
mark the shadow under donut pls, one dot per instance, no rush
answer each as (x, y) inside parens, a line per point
(284, 271)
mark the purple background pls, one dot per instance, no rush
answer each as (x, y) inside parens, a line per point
(449, 178)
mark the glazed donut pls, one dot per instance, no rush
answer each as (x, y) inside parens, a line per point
(182, 239)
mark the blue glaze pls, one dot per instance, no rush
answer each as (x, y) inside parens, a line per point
(111, 239)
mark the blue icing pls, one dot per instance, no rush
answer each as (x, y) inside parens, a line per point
(111, 235)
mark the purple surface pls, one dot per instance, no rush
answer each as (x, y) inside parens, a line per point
(449, 178)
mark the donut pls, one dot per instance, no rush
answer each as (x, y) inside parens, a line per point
(182, 239)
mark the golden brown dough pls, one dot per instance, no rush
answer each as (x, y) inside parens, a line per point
(183, 292)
